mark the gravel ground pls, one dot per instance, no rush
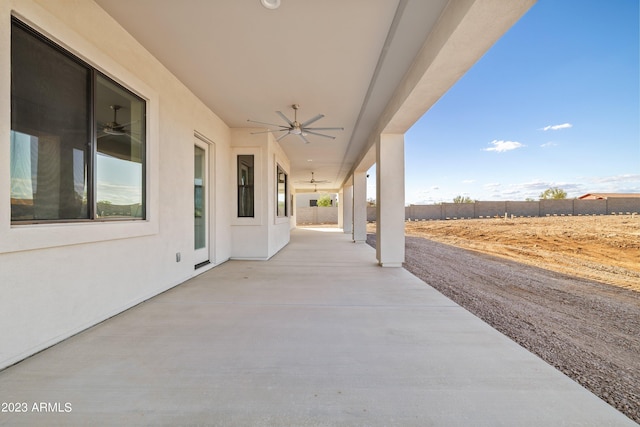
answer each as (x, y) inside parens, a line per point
(588, 330)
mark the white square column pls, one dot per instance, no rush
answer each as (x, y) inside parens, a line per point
(360, 207)
(347, 209)
(390, 200)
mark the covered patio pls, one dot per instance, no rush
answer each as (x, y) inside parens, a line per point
(318, 335)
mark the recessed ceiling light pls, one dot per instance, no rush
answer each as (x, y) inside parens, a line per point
(270, 4)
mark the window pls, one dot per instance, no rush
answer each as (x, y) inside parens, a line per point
(245, 185)
(77, 138)
(282, 193)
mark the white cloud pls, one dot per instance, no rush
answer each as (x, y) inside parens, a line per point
(557, 127)
(492, 185)
(502, 146)
(468, 181)
(533, 189)
(119, 194)
(548, 144)
(618, 178)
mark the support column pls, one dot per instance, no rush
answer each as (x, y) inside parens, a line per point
(390, 200)
(347, 209)
(293, 211)
(360, 207)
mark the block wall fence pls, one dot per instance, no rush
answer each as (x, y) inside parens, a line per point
(577, 207)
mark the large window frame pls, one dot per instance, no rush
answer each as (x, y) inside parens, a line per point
(282, 190)
(246, 185)
(122, 147)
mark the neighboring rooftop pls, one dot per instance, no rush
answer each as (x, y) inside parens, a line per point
(609, 195)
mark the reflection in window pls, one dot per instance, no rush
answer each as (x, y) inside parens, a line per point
(50, 128)
(199, 197)
(53, 139)
(245, 185)
(282, 193)
(120, 151)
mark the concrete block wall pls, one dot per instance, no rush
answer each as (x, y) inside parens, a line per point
(371, 213)
(624, 205)
(517, 208)
(590, 207)
(490, 209)
(525, 209)
(422, 212)
(459, 210)
(317, 215)
(556, 207)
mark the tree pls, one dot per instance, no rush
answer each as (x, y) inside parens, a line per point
(324, 201)
(553, 193)
(462, 199)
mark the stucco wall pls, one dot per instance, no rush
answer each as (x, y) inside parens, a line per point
(263, 235)
(302, 199)
(57, 280)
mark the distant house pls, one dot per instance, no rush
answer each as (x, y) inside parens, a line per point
(605, 196)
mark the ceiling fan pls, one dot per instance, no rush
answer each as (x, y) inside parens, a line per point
(114, 128)
(117, 140)
(296, 128)
(313, 181)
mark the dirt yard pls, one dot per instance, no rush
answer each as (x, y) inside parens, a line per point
(565, 288)
(601, 248)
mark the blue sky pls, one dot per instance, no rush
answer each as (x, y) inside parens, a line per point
(554, 103)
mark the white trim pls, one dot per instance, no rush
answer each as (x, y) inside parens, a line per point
(212, 196)
(14, 238)
(257, 186)
(204, 254)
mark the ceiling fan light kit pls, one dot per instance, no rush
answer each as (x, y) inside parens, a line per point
(270, 4)
(296, 128)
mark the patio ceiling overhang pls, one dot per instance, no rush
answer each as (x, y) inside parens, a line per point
(370, 66)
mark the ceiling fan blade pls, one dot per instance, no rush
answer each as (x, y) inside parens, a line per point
(271, 130)
(269, 124)
(319, 134)
(282, 136)
(324, 129)
(306, 141)
(314, 119)
(130, 123)
(284, 118)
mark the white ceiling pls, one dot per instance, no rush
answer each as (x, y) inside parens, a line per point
(341, 58)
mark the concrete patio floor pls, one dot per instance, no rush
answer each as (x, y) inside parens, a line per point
(317, 336)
